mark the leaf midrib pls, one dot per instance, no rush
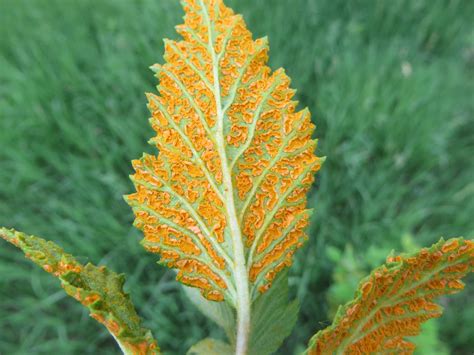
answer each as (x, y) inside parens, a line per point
(239, 268)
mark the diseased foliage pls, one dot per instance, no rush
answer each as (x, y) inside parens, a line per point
(97, 288)
(393, 301)
(235, 161)
(224, 203)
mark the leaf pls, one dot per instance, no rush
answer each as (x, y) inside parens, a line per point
(219, 312)
(97, 288)
(395, 299)
(224, 202)
(210, 346)
(273, 318)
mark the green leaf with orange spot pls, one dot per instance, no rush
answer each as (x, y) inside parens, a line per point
(395, 299)
(226, 195)
(97, 288)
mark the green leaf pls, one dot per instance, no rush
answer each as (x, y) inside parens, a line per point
(273, 318)
(95, 287)
(210, 346)
(395, 299)
(219, 312)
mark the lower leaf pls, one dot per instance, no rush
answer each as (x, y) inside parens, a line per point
(395, 299)
(97, 288)
(273, 318)
(211, 346)
(219, 312)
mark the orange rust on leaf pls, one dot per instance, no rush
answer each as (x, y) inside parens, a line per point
(395, 299)
(179, 198)
(450, 245)
(48, 268)
(113, 326)
(366, 288)
(95, 287)
(142, 348)
(456, 284)
(98, 317)
(275, 252)
(90, 299)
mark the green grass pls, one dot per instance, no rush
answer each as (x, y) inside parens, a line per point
(72, 116)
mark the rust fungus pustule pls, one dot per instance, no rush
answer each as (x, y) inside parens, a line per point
(225, 124)
(97, 288)
(395, 299)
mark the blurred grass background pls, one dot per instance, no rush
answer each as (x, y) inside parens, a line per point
(390, 85)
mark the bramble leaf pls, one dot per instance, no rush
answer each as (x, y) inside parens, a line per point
(395, 299)
(224, 202)
(273, 318)
(210, 346)
(219, 312)
(97, 288)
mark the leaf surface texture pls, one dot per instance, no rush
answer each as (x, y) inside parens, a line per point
(97, 288)
(235, 161)
(395, 299)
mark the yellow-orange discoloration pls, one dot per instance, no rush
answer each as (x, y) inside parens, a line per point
(179, 199)
(393, 302)
(97, 288)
